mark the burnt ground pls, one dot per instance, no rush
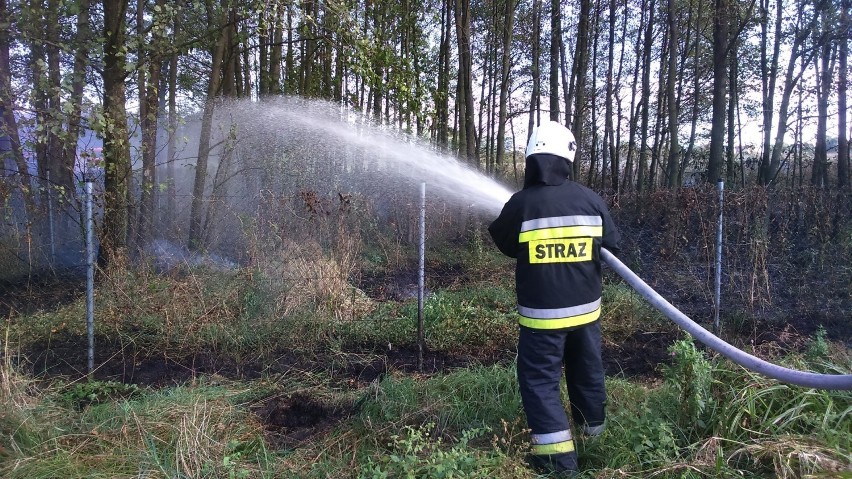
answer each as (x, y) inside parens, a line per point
(65, 356)
(39, 293)
(291, 420)
(402, 284)
(637, 356)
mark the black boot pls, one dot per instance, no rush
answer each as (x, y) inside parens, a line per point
(555, 465)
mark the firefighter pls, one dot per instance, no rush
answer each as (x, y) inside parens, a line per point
(555, 228)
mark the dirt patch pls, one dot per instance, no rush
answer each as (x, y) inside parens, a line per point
(408, 360)
(360, 371)
(39, 293)
(290, 421)
(400, 285)
(65, 356)
(639, 355)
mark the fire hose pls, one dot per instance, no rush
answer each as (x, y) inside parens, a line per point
(753, 363)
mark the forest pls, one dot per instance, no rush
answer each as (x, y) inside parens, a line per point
(658, 94)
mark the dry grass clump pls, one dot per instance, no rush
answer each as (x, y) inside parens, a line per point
(793, 457)
(182, 432)
(625, 312)
(12, 385)
(303, 274)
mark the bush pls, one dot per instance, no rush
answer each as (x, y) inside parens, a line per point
(690, 376)
(84, 393)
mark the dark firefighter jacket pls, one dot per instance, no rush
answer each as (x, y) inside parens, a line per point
(555, 228)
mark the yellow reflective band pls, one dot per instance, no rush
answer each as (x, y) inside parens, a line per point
(563, 250)
(561, 232)
(559, 323)
(555, 448)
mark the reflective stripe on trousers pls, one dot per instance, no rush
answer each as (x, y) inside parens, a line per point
(552, 443)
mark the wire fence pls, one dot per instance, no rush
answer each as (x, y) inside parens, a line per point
(787, 255)
(279, 253)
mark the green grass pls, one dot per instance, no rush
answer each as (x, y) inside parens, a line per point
(468, 422)
(704, 417)
(453, 321)
(469, 398)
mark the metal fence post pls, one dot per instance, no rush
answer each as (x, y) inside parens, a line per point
(421, 277)
(718, 291)
(90, 277)
(50, 225)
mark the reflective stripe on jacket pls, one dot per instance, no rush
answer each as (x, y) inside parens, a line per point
(555, 229)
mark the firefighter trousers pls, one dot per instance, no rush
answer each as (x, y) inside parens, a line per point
(541, 356)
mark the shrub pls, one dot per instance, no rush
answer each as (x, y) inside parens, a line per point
(81, 394)
(690, 375)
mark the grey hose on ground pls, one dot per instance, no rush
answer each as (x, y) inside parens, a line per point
(792, 376)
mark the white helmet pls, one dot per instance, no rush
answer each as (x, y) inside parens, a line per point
(552, 138)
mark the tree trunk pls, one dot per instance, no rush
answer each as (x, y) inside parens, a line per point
(634, 108)
(696, 84)
(581, 61)
(62, 173)
(78, 83)
(7, 99)
(263, 37)
(768, 77)
(8, 121)
(230, 69)
(662, 106)
(171, 201)
(555, 38)
(791, 78)
(508, 26)
(672, 180)
(377, 91)
(37, 61)
(485, 97)
(290, 77)
(466, 80)
(609, 131)
(843, 177)
(732, 104)
(442, 93)
(116, 149)
(819, 175)
(150, 100)
(535, 96)
(642, 167)
(721, 22)
(275, 84)
(567, 81)
(593, 99)
(196, 217)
